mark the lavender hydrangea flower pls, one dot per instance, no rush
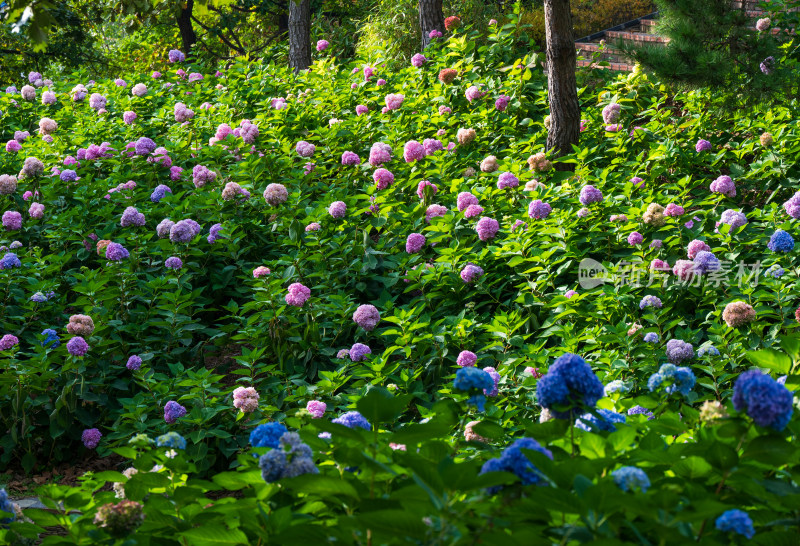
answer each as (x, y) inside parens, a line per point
(724, 185)
(466, 359)
(367, 316)
(116, 252)
(650, 301)
(487, 228)
(91, 438)
(415, 242)
(131, 217)
(275, 194)
(173, 411)
(507, 180)
(173, 262)
(539, 210)
(8, 341)
(350, 158)
(337, 209)
(590, 194)
(471, 273)
(182, 231)
(359, 351)
(134, 363)
(702, 146)
(176, 56)
(77, 346)
(159, 192)
(678, 351)
(705, 262)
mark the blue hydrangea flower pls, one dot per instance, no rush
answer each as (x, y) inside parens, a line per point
(705, 262)
(679, 380)
(708, 350)
(159, 192)
(353, 419)
(290, 459)
(9, 261)
(7, 514)
(651, 337)
(267, 435)
(736, 521)
(603, 421)
(776, 271)
(470, 378)
(630, 478)
(38, 297)
(639, 410)
(51, 336)
(650, 301)
(514, 460)
(768, 403)
(780, 241)
(171, 439)
(569, 383)
(617, 386)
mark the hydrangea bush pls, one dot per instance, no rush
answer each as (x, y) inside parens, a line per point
(286, 341)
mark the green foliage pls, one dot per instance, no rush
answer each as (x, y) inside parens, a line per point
(415, 476)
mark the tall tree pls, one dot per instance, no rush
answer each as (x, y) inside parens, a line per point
(562, 89)
(431, 18)
(184, 20)
(299, 35)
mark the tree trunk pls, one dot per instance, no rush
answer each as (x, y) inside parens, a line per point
(562, 90)
(299, 35)
(430, 18)
(188, 36)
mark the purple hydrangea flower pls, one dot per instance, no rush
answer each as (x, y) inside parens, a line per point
(678, 351)
(466, 359)
(297, 294)
(173, 262)
(471, 273)
(367, 316)
(768, 403)
(359, 351)
(77, 346)
(415, 242)
(487, 228)
(116, 252)
(134, 363)
(91, 438)
(173, 411)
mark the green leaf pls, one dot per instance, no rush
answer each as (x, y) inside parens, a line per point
(380, 406)
(692, 467)
(490, 430)
(771, 359)
(142, 483)
(593, 446)
(214, 534)
(324, 486)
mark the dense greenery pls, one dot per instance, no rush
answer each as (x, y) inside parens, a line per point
(414, 475)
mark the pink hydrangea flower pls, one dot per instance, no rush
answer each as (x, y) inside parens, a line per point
(317, 408)
(297, 294)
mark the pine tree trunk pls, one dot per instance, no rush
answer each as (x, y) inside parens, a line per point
(299, 35)
(562, 90)
(188, 36)
(430, 18)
